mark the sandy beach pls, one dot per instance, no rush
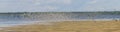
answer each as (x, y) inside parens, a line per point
(59, 15)
(68, 26)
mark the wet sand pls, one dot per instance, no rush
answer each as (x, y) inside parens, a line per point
(69, 26)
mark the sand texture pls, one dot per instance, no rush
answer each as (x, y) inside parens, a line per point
(69, 26)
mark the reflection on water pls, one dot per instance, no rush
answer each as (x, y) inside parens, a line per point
(17, 19)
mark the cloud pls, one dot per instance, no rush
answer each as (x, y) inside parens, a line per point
(101, 5)
(43, 8)
(42, 2)
(58, 5)
(67, 1)
(31, 5)
(93, 1)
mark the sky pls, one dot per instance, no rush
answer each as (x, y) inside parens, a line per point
(58, 5)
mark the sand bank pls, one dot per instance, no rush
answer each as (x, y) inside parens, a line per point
(69, 26)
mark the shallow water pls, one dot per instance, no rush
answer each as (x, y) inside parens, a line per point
(16, 19)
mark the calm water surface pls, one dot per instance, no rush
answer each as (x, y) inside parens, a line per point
(11, 20)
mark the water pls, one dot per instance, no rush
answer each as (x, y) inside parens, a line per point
(7, 20)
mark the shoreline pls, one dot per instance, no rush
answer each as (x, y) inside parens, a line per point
(49, 21)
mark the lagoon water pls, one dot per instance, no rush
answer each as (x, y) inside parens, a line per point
(7, 20)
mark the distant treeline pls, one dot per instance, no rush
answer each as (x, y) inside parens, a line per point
(25, 13)
(112, 13)
(45, 15)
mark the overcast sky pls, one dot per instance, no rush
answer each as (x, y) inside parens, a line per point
(58, 5)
